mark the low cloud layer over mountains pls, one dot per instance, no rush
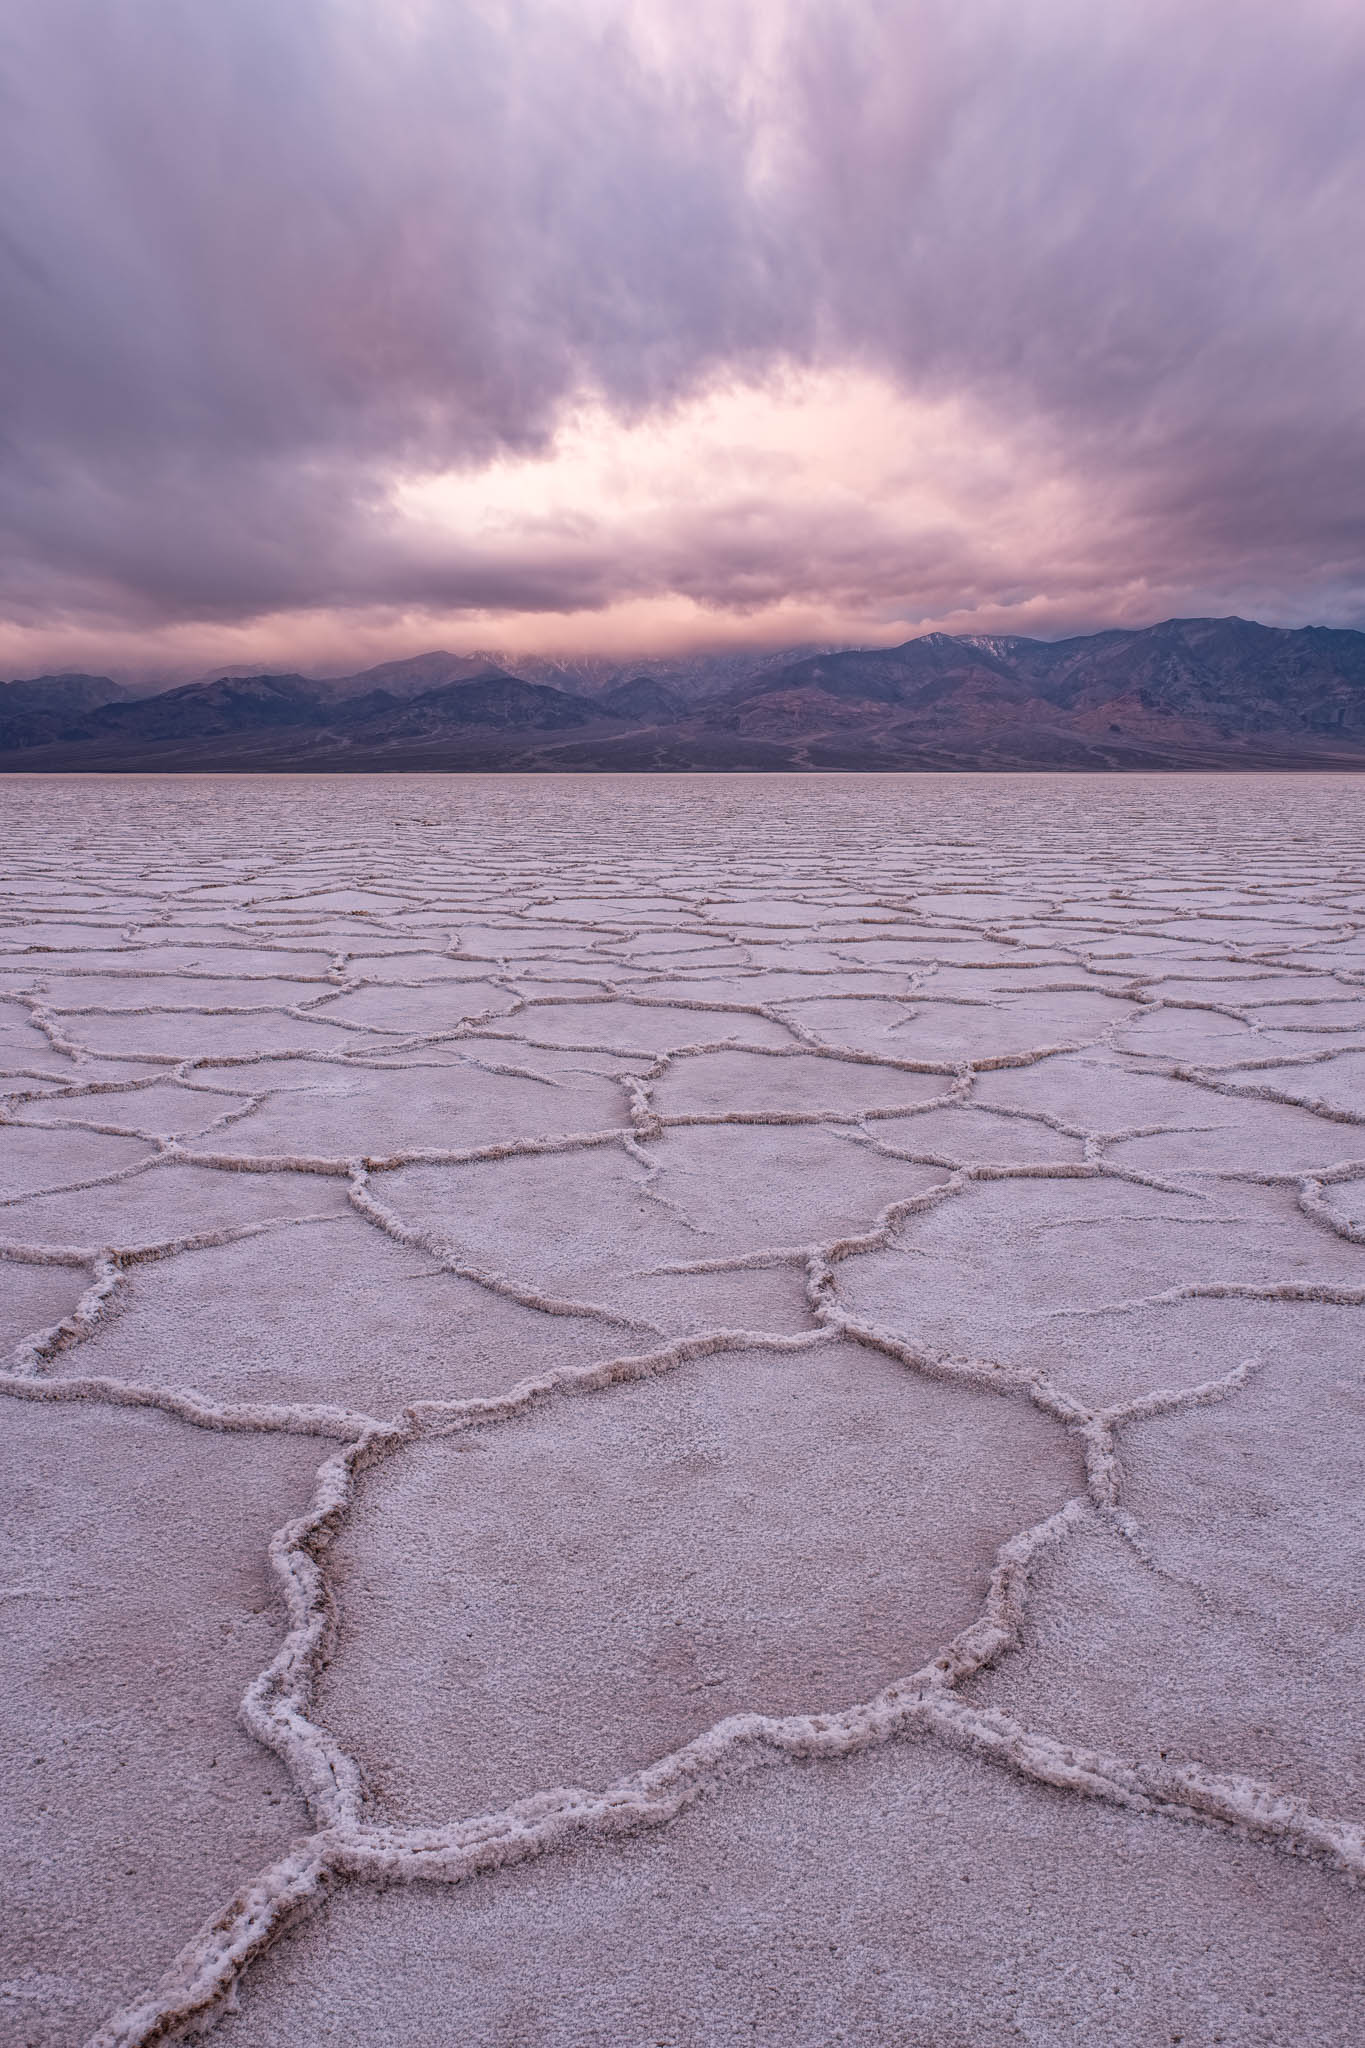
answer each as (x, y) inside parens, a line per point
(1192, 693)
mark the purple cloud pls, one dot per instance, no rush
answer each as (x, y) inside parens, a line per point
(264, 266)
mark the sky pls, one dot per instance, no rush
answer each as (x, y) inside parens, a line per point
(335, 330)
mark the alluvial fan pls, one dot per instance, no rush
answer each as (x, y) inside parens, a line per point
(530, 1299)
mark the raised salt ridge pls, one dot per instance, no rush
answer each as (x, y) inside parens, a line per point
(530, 1300)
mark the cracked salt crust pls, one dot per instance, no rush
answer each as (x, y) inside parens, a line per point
(606, 1539)
(136, 1606)
(910, 1896)
(727, 1273)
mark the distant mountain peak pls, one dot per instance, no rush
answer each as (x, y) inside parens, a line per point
(1184, 693)
(67, 691)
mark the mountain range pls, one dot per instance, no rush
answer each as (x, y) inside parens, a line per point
(1189, 693)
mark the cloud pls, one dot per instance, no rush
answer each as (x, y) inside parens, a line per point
(333, 319)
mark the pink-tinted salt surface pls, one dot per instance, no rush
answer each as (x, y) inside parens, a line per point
(683, 1410)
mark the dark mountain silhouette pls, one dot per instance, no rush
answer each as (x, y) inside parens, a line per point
(232, 705)
(492, 700)
(1256, 677)
(70, 689)
(1187, 692)
(1253, 678)
(252, 720)
(58, 696)
(1190, 693)
(698, 678)
(647, 700)
(414, 676)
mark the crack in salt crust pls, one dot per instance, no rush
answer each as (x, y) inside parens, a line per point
(677, 935)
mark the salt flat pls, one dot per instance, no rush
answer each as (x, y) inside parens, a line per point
(683, 1410)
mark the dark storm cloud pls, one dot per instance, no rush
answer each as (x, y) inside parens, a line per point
(257, 259)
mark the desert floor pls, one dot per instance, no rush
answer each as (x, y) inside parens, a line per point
(683, 1411)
